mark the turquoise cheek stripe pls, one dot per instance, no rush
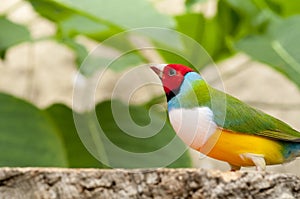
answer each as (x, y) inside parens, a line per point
(186, 86)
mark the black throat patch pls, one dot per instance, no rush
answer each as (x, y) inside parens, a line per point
(172, 94)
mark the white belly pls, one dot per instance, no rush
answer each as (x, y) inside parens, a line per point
(194, 126)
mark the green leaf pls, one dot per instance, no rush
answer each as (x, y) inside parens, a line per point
(33, 137)
(71, 23)
(141, 147)
(228, 19)
(278, 47)
(202, 39)
(51, 10)
(251, 16)
(27, 136)
(124, 14)
(77, 155)
(80, 51)
(124, 55)
(126, 61)
(191, 24)
(247, 7)
(190, 3)
(100, 20)
(77, 17)
(75, 25)
(214, 40)
(11, 34)
(285, 8)
(94, 62)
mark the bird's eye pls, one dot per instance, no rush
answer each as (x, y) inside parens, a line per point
(172, 72)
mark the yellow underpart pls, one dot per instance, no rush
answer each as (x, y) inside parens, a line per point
(230, 146)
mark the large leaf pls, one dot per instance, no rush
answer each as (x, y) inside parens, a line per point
(79, 17)
(79, 50)
(11, 34)
(190, 3)
(285, 8)
(76, 24)
(51, 10)
(192, 26)
(250, 16)
(77, 155)
(27, 136)
(33, 137)
(278, 47)
(229, 20)
(123, 55)
(124, 14)
(111, 142)
(202, 39)
(70, 23)
(95, 62)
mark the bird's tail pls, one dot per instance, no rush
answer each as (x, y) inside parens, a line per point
(292, 150)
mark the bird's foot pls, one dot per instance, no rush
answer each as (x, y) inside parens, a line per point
(257, 159)
(234, 167)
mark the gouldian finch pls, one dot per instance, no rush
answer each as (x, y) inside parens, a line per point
(221, 126)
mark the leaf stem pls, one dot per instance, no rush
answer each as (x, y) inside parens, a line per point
(278, 48)
(98, 141)
(265, 9)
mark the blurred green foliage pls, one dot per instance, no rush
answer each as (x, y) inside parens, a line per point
(266, 30)
(33, 137)
(11, 34)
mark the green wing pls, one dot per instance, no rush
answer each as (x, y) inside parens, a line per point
(240, 117)
(234, 115)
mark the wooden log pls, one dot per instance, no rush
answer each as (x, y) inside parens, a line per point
(48, 183)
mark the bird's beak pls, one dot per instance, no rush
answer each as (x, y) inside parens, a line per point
(158, 69)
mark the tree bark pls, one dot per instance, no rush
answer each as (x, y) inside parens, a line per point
(37, 183)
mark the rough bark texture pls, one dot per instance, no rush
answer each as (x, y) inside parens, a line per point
(145, 183)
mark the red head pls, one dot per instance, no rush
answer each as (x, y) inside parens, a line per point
(171, 75)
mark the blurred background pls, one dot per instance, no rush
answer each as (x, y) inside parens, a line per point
(253, 43)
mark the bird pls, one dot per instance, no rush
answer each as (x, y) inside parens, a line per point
(221, 126)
